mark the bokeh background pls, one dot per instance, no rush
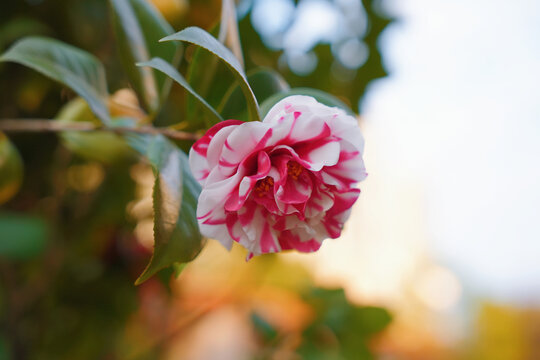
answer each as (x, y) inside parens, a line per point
(445, 236)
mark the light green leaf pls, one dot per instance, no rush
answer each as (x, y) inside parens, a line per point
(199, 37)
(11, 169)
(70, 66)
(169, 70)
(23, 236)
(103, 146)
(139, 26)
(264, 83)
(176, 232)
(321, 96)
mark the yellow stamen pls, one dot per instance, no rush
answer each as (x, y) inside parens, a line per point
(263, 186)
(294, 169)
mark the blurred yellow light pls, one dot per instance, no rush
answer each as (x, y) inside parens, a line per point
(144, 231)
(142, 174)
(140, 209)
(172, 10)
(85, 177)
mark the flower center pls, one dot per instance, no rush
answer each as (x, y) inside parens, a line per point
(263, 186)
(294, 169)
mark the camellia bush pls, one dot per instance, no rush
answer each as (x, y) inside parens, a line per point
(253, 161)
(279, 176)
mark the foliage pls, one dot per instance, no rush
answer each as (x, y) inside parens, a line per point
(68, 250)
(340, 331)
(176, 233)
(72, 67)
(11, 167)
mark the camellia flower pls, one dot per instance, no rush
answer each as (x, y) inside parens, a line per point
(284, 183)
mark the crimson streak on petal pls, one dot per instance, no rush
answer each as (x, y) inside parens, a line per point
(285, 183)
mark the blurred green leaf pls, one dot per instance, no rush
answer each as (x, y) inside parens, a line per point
(349, 84)
(139, 26)
(178, 268)
(263, 327)
(264, 83)
(319, 95)
(370, 318)
(23, 236)
(341, 329)
(11, 169)
(176, 232)
(102, 146)
(199, 37)
(21, 26)
(72, 67)
(169, 70)
(5, 352)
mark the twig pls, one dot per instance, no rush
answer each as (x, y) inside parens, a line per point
(45, 125)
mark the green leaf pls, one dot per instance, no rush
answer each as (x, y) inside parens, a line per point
(176, 232)
(351, 327)
(369, 320)
(70, 66)
(178, 268)
(11, 169)
(199, 37)
(264, 83)
(103, 146)
(320, 96)
(138, 27)
(203, 68)
(23, 236)
(169, 70)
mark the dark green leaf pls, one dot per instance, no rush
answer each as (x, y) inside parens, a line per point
(11, 169)
(21, 26)
(23, 236)
(320, 96)
(139, 26)
(264, 82)
(176, 232)
(169, 70)
(199, 37)
(72, 67)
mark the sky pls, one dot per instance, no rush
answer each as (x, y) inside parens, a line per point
(460, 118)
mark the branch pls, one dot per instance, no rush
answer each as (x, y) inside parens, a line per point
(44, 125)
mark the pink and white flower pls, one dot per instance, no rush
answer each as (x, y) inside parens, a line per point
(287, 182)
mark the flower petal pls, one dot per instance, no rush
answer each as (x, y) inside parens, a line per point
(242, 142)
(288, 240)
(198, 160)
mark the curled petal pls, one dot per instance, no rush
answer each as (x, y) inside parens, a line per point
(198, 160)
